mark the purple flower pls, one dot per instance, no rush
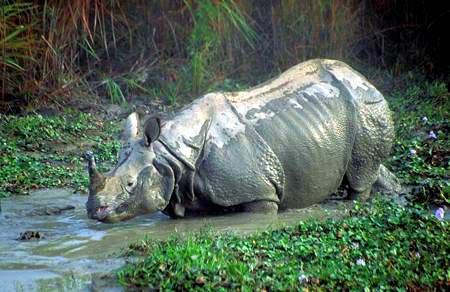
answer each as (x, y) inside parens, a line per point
(361, 262)
(439, 214)
(424, 119)
(431, 136)
(412, 152)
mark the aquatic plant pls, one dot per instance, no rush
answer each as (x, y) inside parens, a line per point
(42, 152)
(381, 246)
(422, 147)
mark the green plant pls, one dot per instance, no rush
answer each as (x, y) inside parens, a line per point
(381, 246)
(114, 91)
(42, 152)
(107, 151)
(438, 89)
(133, 84)
(36, 129)
(421, 151)
(215, 23)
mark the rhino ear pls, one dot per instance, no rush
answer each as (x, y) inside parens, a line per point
(130, 127)
(152, 129)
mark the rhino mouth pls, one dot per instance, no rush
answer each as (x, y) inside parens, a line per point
(114, 212)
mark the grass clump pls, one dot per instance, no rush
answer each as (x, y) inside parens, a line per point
(381, 246)
(37, 151)
(422, 148)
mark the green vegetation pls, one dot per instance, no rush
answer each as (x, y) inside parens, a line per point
(16, 45)
(381, 246)
(422, 150)
(37, 151)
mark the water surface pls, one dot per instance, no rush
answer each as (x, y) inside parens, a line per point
(76, 251)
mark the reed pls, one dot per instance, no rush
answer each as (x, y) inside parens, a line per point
(18, 38)
(62, 52)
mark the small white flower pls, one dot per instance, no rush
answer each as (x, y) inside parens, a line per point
(412, 152)
(439, 214)
(424, 119)
(431, 136)
(303, 278)
(417, 254)
(355, 245)
(361, 262)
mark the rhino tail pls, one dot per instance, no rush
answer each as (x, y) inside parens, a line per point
(387, 182)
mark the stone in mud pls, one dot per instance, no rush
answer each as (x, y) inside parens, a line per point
(31, 235)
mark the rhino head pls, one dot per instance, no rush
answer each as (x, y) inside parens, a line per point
(140, 183)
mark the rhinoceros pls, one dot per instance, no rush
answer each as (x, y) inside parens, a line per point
(287, 143)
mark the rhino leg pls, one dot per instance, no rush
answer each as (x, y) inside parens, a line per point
(373, 139)
(387, 183)
(267, 207)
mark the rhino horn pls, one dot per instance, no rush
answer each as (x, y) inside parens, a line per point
(130, 127)
(97, 180)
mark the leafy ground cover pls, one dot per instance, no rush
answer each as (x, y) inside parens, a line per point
(421, 154)
(39, 152)
(381, 246)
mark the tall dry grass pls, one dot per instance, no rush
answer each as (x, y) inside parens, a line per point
(18, 40)
(47, 48)
(63, 52)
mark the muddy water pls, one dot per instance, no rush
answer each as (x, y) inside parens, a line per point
(76, 251)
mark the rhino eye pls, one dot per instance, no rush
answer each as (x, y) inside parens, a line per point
(131, 183)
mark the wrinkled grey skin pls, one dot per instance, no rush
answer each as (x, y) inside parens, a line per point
(287, 143)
